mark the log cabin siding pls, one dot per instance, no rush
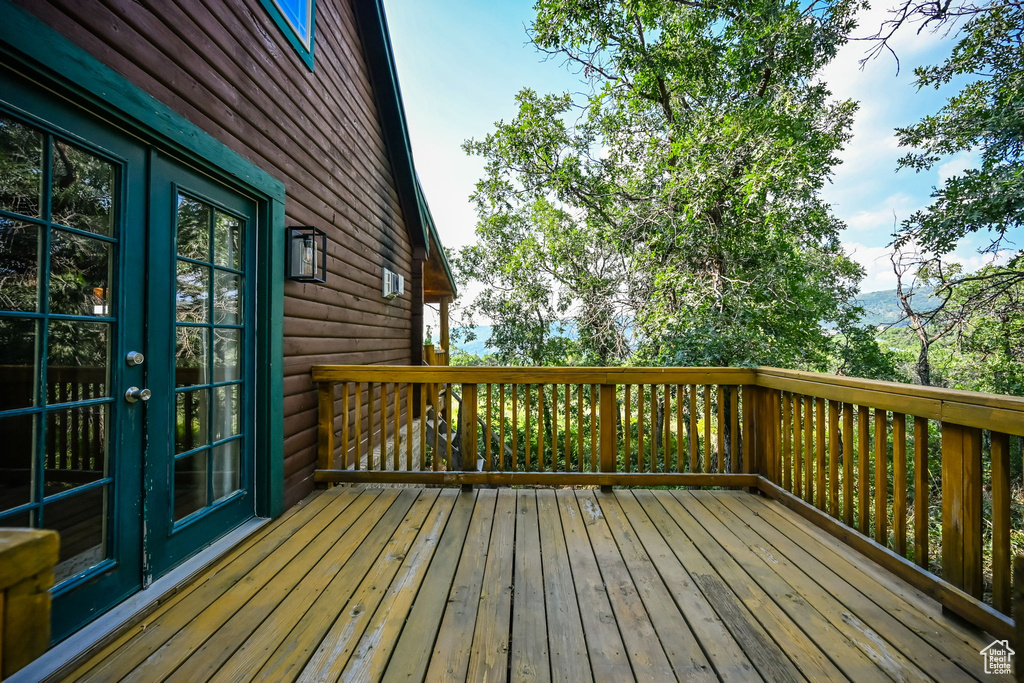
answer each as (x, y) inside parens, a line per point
(225, 66)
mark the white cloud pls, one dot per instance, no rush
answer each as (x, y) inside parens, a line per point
(956, 166)
(885, 216)
(878, 269)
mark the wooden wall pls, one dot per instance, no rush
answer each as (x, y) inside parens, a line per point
(225, 66)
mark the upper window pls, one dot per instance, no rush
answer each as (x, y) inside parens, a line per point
(295, 19)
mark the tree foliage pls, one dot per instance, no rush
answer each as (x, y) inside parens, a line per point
(673, 210)
(984, 118)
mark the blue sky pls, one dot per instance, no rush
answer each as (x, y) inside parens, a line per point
(461, 62)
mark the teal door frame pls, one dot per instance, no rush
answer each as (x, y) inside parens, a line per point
(171, 539)
(35, 51)
(91, 591)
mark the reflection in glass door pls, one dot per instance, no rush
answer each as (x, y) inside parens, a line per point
(59, 245)
(209, 332)
(200, 481)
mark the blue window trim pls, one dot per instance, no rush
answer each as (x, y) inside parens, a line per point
(304, 48)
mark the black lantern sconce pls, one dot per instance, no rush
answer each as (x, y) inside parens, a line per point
(306, 254)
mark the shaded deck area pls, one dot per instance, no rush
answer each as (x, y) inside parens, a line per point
(436, 584)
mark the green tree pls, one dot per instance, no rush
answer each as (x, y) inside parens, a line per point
(672, 211)
(985, 117)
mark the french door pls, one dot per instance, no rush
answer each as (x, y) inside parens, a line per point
(126, 350)
(199, 336)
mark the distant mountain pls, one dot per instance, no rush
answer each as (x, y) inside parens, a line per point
(880, 308)
(477, 347)
(883, 308)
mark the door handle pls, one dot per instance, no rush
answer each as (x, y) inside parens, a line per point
(135, 394)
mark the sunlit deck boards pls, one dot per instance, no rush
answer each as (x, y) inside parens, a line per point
(432, 584)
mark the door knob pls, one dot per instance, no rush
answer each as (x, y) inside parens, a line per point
(135, 394)
(134, 358)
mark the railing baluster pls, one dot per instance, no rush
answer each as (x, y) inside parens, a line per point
(398, 427)
(921, 486)
(833, 457)
(554, 429)
(734, 432)
(679, 428)
(787, 442)
(666, 443)
(568, 440)
(515, 427)
(652, 464)
(469, 441)
(899, 483)
(593, 427)
(345, 388)
(809, 450)
(448, 425)
(707, 429)
(720, 427)
(627, 431)
(527, 435)
(819, 429)
(693, 437)
(881, 478)
(640, 460)
(579, 428)
(423, 427)
(863, 470)
(798, 452)
(487, 433)
(436, 456)
(382, 398)
(501, 427)
(848, 464)
(370, 431)
(1001, 522)
(408, 426)
(359, 423)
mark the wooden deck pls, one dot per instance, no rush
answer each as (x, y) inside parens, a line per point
(439, 585)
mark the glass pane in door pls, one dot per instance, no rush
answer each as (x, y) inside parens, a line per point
(209, 369)
(59, 243)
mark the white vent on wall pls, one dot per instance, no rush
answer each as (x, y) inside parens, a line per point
(394, 284)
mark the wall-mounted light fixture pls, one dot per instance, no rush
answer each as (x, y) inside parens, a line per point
(307, 254)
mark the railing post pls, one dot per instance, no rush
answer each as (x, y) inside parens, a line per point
(764, 450)
(750, 398)
(609, 449)
(961, 507)
(27, 558)
(325, 426)
(468, 429)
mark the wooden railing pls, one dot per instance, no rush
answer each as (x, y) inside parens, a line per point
(436, 356)
(27, 558)
(918, 478)
(596, 426)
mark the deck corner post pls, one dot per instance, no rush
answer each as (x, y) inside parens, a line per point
(325, 427)
(28, 557)
(961, 507)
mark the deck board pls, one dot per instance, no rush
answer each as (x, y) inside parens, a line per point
(438, 584)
